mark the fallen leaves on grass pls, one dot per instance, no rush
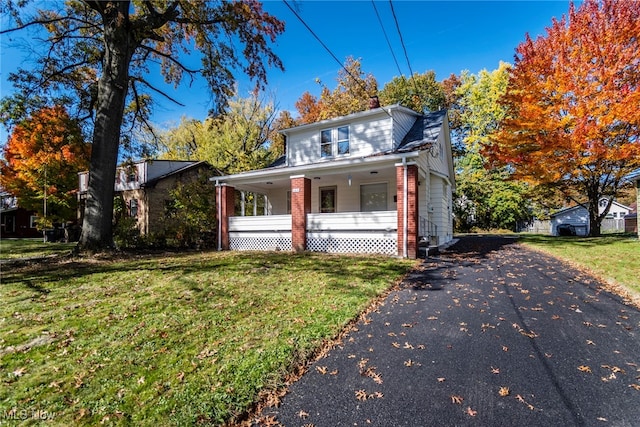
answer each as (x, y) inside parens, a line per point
(19, 372)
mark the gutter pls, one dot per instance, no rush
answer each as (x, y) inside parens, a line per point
(286, 172)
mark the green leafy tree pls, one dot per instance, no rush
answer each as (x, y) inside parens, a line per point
(98, 55)
(488, 198)
(236, 140)
(485, 197)
(190, 217)
(420, 92)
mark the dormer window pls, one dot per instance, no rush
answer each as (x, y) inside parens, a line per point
(334, 142)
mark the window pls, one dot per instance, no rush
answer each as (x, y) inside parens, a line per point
(133, 208)
(373, 197)
(327, 199)
(334, 142)
(33, 221)
(326, 145)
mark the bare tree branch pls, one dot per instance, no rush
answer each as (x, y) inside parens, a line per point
(150, 86)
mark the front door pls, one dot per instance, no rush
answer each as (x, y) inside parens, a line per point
(327, 199)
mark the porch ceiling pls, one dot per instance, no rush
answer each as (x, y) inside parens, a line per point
(369, 169)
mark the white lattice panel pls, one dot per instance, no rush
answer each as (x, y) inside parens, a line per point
(260, 243)
(350, 244)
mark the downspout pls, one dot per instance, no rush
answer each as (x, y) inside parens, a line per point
(405, 205)
(219, 209)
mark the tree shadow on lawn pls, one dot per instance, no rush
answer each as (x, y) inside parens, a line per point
(40, 276)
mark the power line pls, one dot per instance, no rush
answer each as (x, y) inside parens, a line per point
(404, 48)
(364, 88)
(386, 37)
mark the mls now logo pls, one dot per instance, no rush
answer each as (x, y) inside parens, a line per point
(26, 414)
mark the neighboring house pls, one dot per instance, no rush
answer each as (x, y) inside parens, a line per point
(145, 186)
(578, 216)
(377, 181)
(16, 222)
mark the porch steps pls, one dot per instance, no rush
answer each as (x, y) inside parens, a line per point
(425, 251)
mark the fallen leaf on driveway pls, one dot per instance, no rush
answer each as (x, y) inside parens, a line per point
(361, 395)
(584, 368)
(457, 399)
(471, 412)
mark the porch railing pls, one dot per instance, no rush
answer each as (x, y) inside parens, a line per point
(428, 231)
(353, 232)
(260, 233)
(348, 232)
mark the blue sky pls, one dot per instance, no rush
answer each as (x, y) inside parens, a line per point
(444, 36)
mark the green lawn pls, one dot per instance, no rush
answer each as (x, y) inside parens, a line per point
(28, 248)
(189, 339)
(614, 258)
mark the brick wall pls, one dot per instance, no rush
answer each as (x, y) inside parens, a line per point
(412, 209)
(226, 201)
(300, 207)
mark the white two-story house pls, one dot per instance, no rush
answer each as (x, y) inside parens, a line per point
(377, 181)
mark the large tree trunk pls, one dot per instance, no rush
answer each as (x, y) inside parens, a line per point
(112, 93)
(595, 220)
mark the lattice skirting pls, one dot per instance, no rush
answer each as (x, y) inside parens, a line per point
(350, 244)
(261, 243)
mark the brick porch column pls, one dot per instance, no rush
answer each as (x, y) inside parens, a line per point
(300, 207)
(225, 200)
(412, 209)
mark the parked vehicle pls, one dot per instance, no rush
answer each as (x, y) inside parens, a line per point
(566, 230)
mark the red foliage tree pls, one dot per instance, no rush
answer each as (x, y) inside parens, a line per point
(42, 158)
(573, 105)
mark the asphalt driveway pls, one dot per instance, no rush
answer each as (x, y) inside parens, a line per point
(487, 333)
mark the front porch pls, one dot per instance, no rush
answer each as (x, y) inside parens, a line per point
(375, 206)
(346, 232)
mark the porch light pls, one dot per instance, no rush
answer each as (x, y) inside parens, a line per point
(349, 180)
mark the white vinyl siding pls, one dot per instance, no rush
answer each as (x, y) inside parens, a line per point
(367, 136)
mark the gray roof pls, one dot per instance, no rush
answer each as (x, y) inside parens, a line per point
(424, 131)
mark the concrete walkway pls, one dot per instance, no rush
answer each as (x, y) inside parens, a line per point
(486, 334)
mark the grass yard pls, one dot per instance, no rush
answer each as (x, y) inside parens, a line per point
(189, 339)
(28, 248)
(614, 258)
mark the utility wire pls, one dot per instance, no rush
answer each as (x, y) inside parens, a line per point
(386, 37)
(364, 88)
(404, 48)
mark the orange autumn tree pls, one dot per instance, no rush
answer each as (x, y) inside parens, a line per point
(42, 158)
(573, 105)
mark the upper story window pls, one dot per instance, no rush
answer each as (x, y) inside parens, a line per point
(334, 142)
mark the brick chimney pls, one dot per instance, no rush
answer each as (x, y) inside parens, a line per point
(374, 102)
